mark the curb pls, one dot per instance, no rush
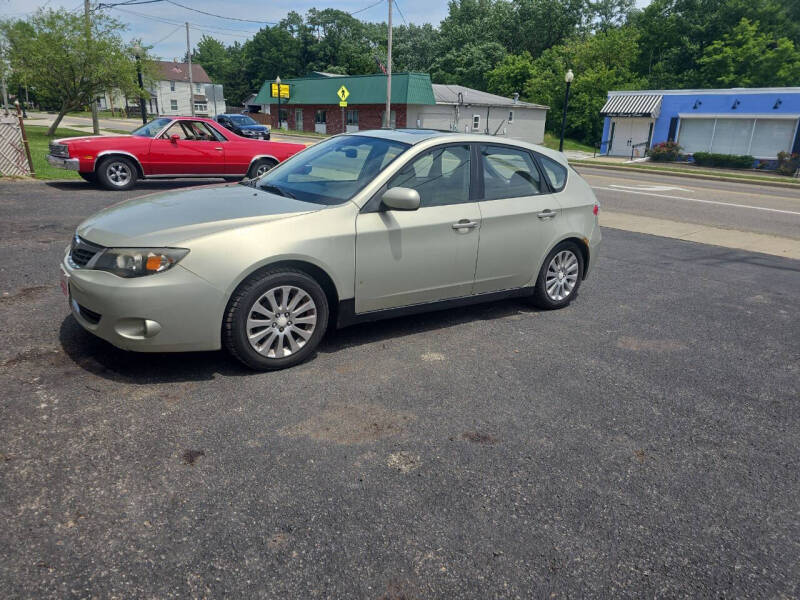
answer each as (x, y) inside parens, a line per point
(781, 184)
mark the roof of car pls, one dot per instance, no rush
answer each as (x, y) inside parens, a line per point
(415, 136)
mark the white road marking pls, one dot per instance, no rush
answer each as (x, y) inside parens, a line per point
(649, 188)
(775, 210)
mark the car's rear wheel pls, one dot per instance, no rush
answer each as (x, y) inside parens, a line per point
(261, 166)
(560, 277)
(90, 177)
(117, 173)
(275, 319)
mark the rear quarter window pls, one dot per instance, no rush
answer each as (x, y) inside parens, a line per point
(555, 172)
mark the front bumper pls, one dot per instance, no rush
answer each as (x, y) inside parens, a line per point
(71, 164)
(173, 311)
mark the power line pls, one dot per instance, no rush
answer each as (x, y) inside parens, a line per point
(173, 32)
(355, 12)
(401, 12)
(202, 12)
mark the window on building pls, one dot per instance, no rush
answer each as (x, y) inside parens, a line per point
(352, 117)
(761, 138)
(321, 117)
(284, 116)
(695, 135)
(200, 107)
(198, 88)
(441, 176)
(476, 122)
(173, 105)
(171, 86)
(392, 118)
(508, 173)
(511, 116)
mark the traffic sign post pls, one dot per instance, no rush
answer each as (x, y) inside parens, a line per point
(343, 94)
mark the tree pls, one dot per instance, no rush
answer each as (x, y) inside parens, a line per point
(51, 51)
(468, 65)
(749, 57)
(601, 62)
(511, 75)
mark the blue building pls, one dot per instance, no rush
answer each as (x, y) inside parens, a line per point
(759, 122)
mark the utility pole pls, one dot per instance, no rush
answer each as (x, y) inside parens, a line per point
(87, 15)
(389, 72)
(189, 58)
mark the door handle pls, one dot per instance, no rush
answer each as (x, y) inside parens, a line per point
(546, 214)
(465, 224)
(218, 148)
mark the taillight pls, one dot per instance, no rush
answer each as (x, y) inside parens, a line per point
(595, 209)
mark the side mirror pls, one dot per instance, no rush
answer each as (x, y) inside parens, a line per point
(400, 198)
(174, 138)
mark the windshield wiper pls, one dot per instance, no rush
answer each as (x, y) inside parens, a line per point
(277, 190)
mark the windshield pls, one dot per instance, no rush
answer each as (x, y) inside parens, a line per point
(152, 128)
(333, 171)
(242, 120)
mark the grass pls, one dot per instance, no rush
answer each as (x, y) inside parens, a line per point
(691, 171)
(102, 114)
(290, 132)
(39, 143)
(551, 141)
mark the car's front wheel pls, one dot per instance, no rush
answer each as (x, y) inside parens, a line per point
(560, 277)
(117, 173)
(261, 166)
(275, 319)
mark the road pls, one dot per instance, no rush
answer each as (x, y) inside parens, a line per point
(644, 442)
(731, 205)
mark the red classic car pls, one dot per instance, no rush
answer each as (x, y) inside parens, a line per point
(168, 147)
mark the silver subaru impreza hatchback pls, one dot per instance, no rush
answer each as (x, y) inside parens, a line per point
(362, 226)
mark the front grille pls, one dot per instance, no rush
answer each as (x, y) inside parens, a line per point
(89, 315)
(60, 150)
(82, 252)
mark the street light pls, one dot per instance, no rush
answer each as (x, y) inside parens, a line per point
(278, 81)
(138, 51)
(568, 79)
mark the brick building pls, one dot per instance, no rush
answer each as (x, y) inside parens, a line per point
(313, 105)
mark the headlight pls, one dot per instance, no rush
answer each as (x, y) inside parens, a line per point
(136, 262)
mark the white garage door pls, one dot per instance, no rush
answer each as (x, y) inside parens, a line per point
(754, 136)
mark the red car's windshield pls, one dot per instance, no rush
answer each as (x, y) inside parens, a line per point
(152, 128)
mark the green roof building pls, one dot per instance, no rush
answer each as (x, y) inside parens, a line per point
(314, 105)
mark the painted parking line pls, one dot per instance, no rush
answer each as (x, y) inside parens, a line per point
(750, 206)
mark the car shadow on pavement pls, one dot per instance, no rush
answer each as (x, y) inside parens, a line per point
(100, 358)
(153, 185)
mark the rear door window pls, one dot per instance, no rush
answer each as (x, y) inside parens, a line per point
(509, 173)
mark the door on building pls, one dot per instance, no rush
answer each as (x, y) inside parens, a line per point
(630, 135)
(321, 121)
(298, 119)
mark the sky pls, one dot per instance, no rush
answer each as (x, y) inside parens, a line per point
(161, 25)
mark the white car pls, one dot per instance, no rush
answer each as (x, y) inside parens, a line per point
(361, 226)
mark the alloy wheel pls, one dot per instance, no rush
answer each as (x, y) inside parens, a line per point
(118, 173)
(562, 275)
(281, 321)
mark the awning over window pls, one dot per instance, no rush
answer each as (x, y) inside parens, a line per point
(633, 105)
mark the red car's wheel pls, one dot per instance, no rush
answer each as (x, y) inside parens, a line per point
(261, 166)
(117, 173)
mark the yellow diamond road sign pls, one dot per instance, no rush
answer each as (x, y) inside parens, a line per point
(343, 93)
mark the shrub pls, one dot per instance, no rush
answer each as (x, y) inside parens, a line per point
(665, 151)
(732, 161)
(788, 163)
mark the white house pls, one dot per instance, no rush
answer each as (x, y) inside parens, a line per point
(171, 94)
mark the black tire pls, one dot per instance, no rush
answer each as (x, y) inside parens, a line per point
(541, 297)
(90, 177)
(117, 173)
(240, 308)
(263, 165)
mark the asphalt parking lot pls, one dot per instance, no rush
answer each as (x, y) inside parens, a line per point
(644, 442)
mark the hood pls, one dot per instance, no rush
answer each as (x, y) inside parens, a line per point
(254, 127)
(91, 138)
(168, 218)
